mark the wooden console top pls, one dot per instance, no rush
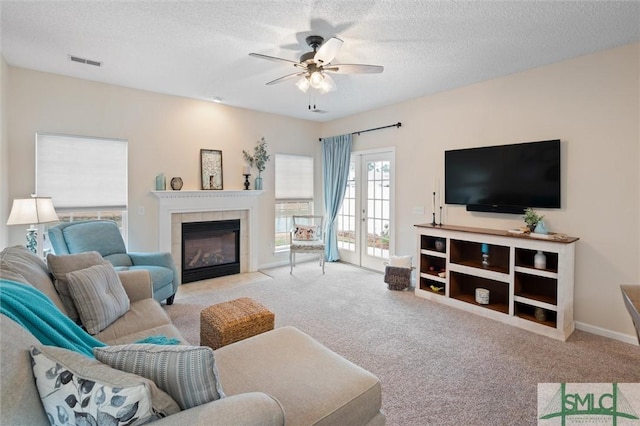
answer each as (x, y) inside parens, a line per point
(553, 237)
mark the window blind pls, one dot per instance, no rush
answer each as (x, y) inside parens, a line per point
(294, 177)
(82, 172)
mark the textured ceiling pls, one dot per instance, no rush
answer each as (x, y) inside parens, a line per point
(200, 49)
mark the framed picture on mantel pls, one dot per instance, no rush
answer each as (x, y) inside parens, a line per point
(211, 168)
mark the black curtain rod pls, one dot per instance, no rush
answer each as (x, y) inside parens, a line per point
(398, 125)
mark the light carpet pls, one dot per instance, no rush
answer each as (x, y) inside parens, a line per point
(438, 365)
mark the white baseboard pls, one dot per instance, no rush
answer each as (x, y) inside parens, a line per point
(626, 338)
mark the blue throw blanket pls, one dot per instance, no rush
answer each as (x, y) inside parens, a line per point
(34, 311)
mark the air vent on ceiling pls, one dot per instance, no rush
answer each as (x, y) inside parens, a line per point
(85, 61)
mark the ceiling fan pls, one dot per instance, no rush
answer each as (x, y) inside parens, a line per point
(315, 66)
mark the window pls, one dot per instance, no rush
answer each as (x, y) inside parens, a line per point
(294, 193)
(85, 177)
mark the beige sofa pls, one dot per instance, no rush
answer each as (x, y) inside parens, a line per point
(282, 376)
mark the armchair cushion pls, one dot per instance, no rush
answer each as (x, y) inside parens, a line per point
(98, 295)
(94, 236)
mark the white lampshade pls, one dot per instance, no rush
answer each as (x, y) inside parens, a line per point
(26, 211)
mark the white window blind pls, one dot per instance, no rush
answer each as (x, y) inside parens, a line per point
(294, 177)
(82, 172)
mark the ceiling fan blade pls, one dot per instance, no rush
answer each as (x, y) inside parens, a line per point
(272, 58)
(286, 77)
(354, 69)
(328, 51)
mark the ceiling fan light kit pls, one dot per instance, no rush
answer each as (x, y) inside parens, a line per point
(316, 65)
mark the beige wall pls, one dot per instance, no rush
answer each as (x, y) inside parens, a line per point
(592, 104)
(4, 154)
(165, 134)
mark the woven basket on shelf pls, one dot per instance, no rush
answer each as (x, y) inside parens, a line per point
(397, 278)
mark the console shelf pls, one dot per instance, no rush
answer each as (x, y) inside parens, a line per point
(538, 300)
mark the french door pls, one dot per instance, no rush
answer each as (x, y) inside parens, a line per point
(365, 220)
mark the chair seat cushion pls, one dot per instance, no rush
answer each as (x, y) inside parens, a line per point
(142, 315)
(300, 246)
(160, 276)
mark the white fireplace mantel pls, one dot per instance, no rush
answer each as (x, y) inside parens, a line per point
(170, 202)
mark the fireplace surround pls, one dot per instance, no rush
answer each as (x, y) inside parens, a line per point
(178, 207)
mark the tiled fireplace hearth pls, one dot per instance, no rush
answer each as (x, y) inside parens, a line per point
(178, 207)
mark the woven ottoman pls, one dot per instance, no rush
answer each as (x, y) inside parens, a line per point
(229, 322)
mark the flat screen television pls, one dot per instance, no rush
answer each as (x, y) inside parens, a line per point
(504, 178)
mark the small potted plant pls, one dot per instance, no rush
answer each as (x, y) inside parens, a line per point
(531, 218)
(258, 159)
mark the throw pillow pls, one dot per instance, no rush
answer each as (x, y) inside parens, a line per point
(400, 261)
(75, 389)
(306, 233)
(187, 373)
(61, 265)
(98, 295)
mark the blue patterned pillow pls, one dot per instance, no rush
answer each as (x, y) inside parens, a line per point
(75, 389)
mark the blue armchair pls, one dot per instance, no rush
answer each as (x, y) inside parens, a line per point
(104, 237)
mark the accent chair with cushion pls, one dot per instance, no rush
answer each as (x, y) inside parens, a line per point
(104, 237)
(306, 236)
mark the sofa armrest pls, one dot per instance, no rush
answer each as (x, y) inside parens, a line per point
(137, 284)
(253, 408)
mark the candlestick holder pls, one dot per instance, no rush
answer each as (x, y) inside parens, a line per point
(433, 220)
(440, 224)
(246, 182)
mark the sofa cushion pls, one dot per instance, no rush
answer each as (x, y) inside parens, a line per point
(20, 403)
(315, 385)
(60, 266)
(98, 296)
(18, 261)
(103, 237)
(79, 390)
(187, 373)
(142, 315)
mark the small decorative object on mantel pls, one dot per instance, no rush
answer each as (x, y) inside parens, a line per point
(246, 172)
(531, 218)
(258, 159)
(176, 183)
(211, 168)
(161, 182)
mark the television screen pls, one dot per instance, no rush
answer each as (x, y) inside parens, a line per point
(505, 178)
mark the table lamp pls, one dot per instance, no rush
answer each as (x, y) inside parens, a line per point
(32, 211)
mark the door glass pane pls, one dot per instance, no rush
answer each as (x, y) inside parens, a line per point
(346, 216)
(378, 206)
